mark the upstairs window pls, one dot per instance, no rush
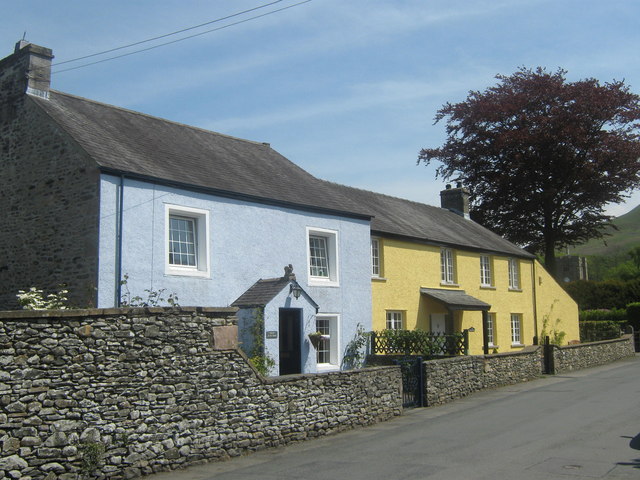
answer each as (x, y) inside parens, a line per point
(447, 267)
(514, 274)
(318, 257)
(322, 250)
(486, 279)
(375, 257)
(186, 241)
(182, 242)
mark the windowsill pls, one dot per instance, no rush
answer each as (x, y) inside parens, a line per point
(515, 289)
(378, 279)
(487, 287)
(517, 345)
(322, 282)
(454, 285)
(186, 272)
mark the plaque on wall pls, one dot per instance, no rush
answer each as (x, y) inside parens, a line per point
(272, 334)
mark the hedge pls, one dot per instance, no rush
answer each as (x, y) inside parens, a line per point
(608, 294)
(595, 331)
(603, 314)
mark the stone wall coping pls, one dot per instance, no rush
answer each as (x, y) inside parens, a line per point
(304, 376)
(98, 312)
(623, 338)
(461, 358)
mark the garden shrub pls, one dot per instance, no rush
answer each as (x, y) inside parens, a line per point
(595, 331)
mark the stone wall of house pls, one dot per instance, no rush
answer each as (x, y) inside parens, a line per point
(452, 378)
(125, 392)
(575, 357)
(49, 197)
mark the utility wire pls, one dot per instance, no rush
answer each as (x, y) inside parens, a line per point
(168, 34)
(179, 39)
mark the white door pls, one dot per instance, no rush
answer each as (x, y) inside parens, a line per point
(438, 323)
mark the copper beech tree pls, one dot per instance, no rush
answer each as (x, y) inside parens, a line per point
(542, 156)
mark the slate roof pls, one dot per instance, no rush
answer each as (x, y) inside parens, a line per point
(122, 141)
(151, 148)
(455, 299)
(263, 291)
(425, 223)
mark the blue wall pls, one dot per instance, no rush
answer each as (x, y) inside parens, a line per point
(247, 241)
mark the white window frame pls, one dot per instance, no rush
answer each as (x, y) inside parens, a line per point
(331, 241)
(486, 271)
(514, 274)
(330, 339)
(447, 266)
(394, 320)
(491, 329)
(376, 264)
(516, 329)
(200, 220)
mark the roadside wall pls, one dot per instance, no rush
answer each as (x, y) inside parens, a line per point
(575, 357)
(453, 378)
(120, 393)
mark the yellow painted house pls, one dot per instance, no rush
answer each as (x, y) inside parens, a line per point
(434, 269)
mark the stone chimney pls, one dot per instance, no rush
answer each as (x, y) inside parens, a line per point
(28, 70)
(456, 200)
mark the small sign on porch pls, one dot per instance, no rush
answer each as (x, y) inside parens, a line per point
(272, 334)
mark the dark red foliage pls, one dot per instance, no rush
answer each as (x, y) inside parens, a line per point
(542, 156)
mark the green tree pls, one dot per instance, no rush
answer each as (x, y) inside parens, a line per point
(542, 156)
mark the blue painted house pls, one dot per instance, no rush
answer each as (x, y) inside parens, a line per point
(99, 194)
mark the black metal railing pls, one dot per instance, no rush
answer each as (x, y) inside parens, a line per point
(419, 342)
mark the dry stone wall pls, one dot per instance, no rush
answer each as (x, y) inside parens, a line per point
(452, 378)
(575, 357)
(121, 393)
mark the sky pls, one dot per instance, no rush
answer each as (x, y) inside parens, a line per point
(348, 90)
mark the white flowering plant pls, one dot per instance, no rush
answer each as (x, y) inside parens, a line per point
(35, 299)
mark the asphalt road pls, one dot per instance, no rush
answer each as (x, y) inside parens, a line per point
(580, 425)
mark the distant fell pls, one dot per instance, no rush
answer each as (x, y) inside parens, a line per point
(619, 241)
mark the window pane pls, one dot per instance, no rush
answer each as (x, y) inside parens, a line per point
(446, 266)
(182, 243)
(485, 270)
(394, 320)
(375, 257)
(324, 346)
(514, 274)
(319, 264)
(515, 328)
(490, 328)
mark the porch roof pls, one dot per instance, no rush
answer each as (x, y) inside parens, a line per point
(456, 299)
(265, 290)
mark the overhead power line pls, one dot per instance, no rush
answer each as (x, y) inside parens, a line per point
(176, 33)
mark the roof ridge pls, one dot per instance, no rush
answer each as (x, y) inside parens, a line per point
(380, 194)
(162, 119)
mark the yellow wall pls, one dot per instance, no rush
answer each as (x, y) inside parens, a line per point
(557, 311)
(408, 266)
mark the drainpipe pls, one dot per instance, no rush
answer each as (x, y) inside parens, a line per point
(535, 301)
(119, 222)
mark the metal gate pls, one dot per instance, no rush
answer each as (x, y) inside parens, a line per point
(412, 381)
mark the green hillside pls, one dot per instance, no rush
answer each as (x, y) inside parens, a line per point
(619, 242)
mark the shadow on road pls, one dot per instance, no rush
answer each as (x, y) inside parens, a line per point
(635, 442)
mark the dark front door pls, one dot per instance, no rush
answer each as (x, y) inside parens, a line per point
(290, 335)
